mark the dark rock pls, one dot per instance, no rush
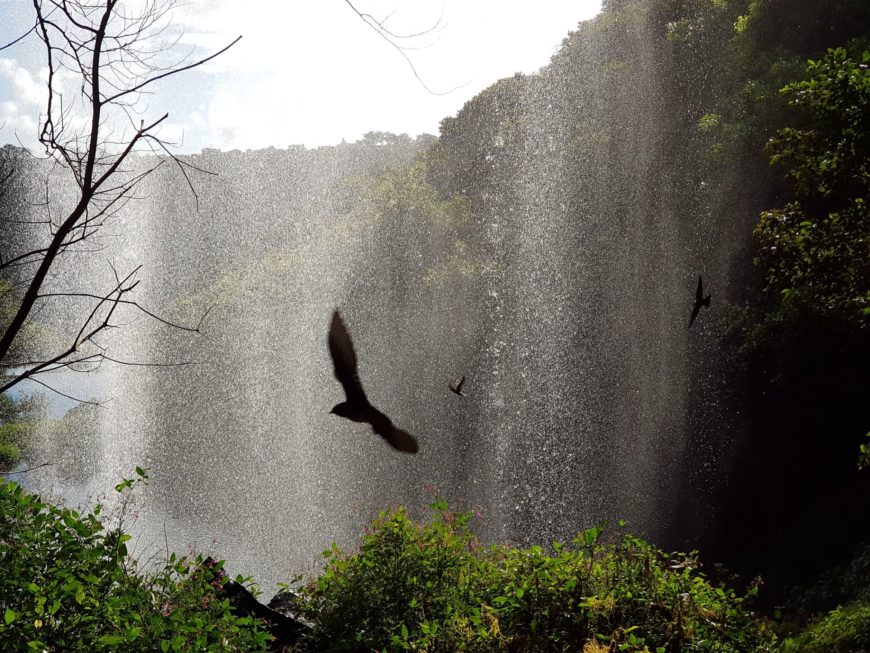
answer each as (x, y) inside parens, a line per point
(285, 628)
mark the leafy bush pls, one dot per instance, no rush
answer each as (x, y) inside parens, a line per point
(815, 249)
(432, 587)
(842, 629)
(68, 585)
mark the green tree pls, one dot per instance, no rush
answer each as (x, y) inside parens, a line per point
(17, 420)
(18, 417)
(815, 250)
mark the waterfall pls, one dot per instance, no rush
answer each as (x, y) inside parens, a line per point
(562, 291)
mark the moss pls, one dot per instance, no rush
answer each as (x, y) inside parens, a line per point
(10, 454)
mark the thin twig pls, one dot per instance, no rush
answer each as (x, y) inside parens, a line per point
(63, 394)
(169, 72)
(379, 29)
(29, 469)
(11, 43)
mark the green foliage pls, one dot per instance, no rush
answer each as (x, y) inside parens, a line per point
(17, 422)
(68, 585)
(35, 338)
(845, 628)
(864, 454)
(405, 193)
(815, 250)
(432, 587)
(837, 587)
(10, 454)
(26, 409)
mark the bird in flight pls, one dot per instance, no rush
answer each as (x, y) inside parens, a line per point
(457, 389)
(700, 301)
(357, 407)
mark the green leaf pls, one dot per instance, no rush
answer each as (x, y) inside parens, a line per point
(10, 615)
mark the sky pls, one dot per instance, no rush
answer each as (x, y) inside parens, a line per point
(310, 71)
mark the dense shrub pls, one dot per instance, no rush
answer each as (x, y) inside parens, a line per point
(815, 249)
(431, 587)
(68, 585)
(843, 629)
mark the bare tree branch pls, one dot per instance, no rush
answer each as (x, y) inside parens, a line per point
(379, 28)
(20, 38)
(66, 396)
(29, 469)
(108, 51)
(171, 72)
(128, 302)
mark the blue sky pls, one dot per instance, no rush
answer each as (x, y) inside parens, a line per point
(310, 71)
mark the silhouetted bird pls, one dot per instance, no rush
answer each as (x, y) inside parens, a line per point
(357, 407)
(457, 389)
(700, 301)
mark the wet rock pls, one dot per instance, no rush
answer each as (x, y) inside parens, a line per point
(285, 627)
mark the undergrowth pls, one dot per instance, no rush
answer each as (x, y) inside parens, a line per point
(432, 587)
(68, 585)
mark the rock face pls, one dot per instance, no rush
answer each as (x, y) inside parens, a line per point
(287, 603)
(279, 617)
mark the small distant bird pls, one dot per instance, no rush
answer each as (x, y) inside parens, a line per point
(357, 407)
(457, 389)
(700, 301)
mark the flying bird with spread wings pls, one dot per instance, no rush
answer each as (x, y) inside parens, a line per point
(700, 301)
(357, 407)
(457, 389)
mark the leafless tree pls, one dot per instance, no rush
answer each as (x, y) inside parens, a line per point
(102, 58)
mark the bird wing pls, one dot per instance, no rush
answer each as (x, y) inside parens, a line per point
(397, 438)
(695, 312)
(699, 293)
(344, 360)
(460, 384)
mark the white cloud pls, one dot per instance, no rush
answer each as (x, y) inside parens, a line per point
(313, 72)
(27, 87)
